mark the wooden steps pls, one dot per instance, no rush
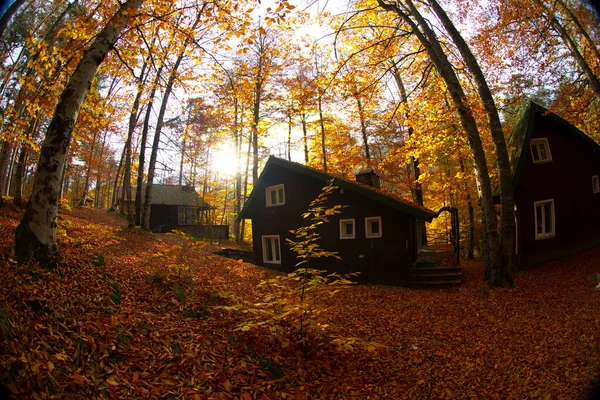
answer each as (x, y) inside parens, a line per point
(435, 276)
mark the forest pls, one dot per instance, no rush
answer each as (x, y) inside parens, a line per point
(102, 100)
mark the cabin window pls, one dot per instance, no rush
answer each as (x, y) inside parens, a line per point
(271, 249)
(275, 196)
(544, 218)
(540, 151)
(373, 227)
(347, 228)
(595, 184)
(187, 215)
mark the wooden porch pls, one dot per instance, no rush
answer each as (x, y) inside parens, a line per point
(436, 266)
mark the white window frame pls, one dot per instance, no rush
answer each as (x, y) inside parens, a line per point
(275, 250)
(279, 200)
(544, 234)
(368, 233)
(343, 223)
(539, 143)
(595, 184)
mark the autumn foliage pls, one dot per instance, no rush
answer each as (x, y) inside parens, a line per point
(131, 314)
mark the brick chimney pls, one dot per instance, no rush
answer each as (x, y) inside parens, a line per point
(368, 176)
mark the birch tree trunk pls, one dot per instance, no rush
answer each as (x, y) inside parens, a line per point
(36, 234)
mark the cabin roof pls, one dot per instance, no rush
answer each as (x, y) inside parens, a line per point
(378, 195)
(173, 195)
(521, 136)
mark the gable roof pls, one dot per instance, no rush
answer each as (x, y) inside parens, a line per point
(173, 195)
(378, 195)
(521, 136)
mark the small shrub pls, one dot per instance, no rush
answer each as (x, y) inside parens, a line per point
(299, 299)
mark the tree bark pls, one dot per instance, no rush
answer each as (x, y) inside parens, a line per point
(157, 132)
(143, 141)
(305, 135)
(21, 164)
(363, 128)
(471, 213)
(36, 234)
(507, 205)
(133, 119)
(436, 53)
(243, 227)
(418, 188)
(289, 138)
(592, 45)
(583, 64)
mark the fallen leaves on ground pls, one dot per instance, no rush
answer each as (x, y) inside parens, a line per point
(130, 314)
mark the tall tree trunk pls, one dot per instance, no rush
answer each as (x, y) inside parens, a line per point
(257, 101)
(98, 174)
(133, 119)
(418, 188)
(243, 228)
(238, 171)
(36, 234)
(428, 39)
(7, 148)
(23, 157)
(254, 133)
(143, 141)
(591, 43)
(157, 132)
(471, 213)
(88, 170)
(115, 192)
(363, 128)
(305, 135)
(583, 64)
(507, 205)
(322, 123)
(289, 138)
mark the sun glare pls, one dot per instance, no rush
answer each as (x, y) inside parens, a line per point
(224, 161)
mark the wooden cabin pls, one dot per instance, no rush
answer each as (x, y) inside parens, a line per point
(180, 207)
(376, 234)
(556, 189)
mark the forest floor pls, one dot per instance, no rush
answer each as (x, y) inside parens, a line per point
(130, 314)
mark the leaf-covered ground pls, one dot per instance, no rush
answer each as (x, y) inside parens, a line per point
(131, 314)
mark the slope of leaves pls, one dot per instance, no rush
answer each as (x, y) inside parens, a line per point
(135, 315)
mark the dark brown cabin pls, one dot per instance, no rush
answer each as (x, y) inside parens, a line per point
(375, 234)
(180, 207)
(556, 189)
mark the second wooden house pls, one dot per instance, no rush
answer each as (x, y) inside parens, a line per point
(179, 207)
(376, 234)
(556, 170)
